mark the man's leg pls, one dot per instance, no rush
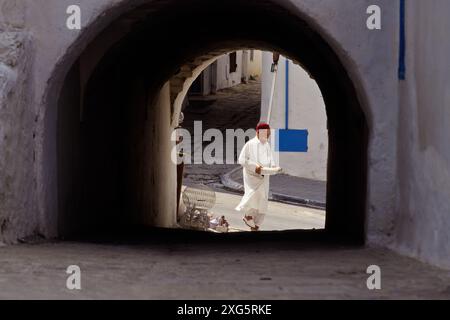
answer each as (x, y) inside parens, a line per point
(259, 219)
(249, 218)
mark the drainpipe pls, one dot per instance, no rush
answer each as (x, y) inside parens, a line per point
(287, 96)
(402, 49)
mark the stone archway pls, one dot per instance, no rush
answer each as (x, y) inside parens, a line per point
(103, 158)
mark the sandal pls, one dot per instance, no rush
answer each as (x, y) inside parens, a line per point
(248, 223)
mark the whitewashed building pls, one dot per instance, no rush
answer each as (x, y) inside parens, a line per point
(297, 104)
(227, 71)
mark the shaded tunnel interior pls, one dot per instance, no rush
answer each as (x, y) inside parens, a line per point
(106, 161)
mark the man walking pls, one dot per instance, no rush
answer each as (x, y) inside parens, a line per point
(258, 164)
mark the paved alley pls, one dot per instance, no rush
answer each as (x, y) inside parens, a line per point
(280, 216)
(213, 270)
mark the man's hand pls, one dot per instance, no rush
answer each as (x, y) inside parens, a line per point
(258, 169)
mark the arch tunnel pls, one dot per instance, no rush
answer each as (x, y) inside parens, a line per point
(117, 108)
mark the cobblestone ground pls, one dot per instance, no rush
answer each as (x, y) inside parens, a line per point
(238, 107)
(220, 270)
(280, 216)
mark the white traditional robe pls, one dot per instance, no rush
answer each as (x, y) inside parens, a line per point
(256, 198)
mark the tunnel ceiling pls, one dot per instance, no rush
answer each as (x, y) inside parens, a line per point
(174, 33)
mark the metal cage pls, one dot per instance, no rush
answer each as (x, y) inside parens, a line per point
(198, 200)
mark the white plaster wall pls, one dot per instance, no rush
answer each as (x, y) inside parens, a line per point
(182, 96)
(306, 111)
(162, 205)
(255, 66)
(206, 74)
(423, 207)
(17, 149)
(225, 79)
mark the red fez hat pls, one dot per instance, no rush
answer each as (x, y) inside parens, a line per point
(262, 126)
